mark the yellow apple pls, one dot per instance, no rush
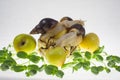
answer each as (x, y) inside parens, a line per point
(24, 42)
(90, 42)
(56, 56)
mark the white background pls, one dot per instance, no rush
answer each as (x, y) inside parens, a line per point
(101, 17)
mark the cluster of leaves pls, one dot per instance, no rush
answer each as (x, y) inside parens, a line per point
(113, 62)
(8, 62)
(49, 69)
(86, 61)
(80, 60)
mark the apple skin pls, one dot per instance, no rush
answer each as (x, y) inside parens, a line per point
(90, 42)
(24, 42)
(56, 56)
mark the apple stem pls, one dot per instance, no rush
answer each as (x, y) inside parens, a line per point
(23, 42)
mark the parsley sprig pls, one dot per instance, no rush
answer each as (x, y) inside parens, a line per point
(32, 67)
(95, 62)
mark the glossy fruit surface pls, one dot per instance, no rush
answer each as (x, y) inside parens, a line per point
(24, 42)
(90, 42)
(56, 56)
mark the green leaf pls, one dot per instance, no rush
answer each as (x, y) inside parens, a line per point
(99, 58)
(76, 54)
(9, 61)
(42, 67)
(99, 50)
(41, 58)
(5, 49)
(88, 55)
(78, 59)
(100, 68)
(118, 68)
(51, 69)
(113, 58)
(22, 54)
(34, 53)
(4, 67)
(59, 73)
(111, 64)
(3, 53)
(77, 66)
(2, 59)
(31, 73)
(109, 58)
(34, 58)
(116, 59)
(86, 65)
(33, 67)
(19, 68)
(94, 70)
(10, 54)
(107, 70)
(66, 65)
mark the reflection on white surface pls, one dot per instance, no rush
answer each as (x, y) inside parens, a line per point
(101, 17)
(81, 74)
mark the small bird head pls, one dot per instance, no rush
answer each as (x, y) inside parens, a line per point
(44, 25)
(80, 29)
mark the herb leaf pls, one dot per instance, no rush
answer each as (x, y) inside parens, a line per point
(111, 64)
(99, 50)
(33, 67)
(51, 69)
(3, 53)
(88, 55)
(99, 58)
(2, 59)
(107, 70)
(59, 73)
(70, 64)
(76, 54)
(100, 68)
(22, 54)
(34, 58)
(19, 68)
(94, 70)
(114, 58)
(118, 68)
(77, 66)
(86, 65)
(31, 73)
(42, 67)
(4, 67)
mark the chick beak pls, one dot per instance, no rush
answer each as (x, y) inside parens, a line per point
(37, 30)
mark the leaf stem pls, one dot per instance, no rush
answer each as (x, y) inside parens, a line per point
(27, 62)
(93, 63)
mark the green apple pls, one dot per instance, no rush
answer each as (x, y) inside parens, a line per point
(56, 56)
(24, 42)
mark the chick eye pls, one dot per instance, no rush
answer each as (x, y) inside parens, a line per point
(80, 28)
